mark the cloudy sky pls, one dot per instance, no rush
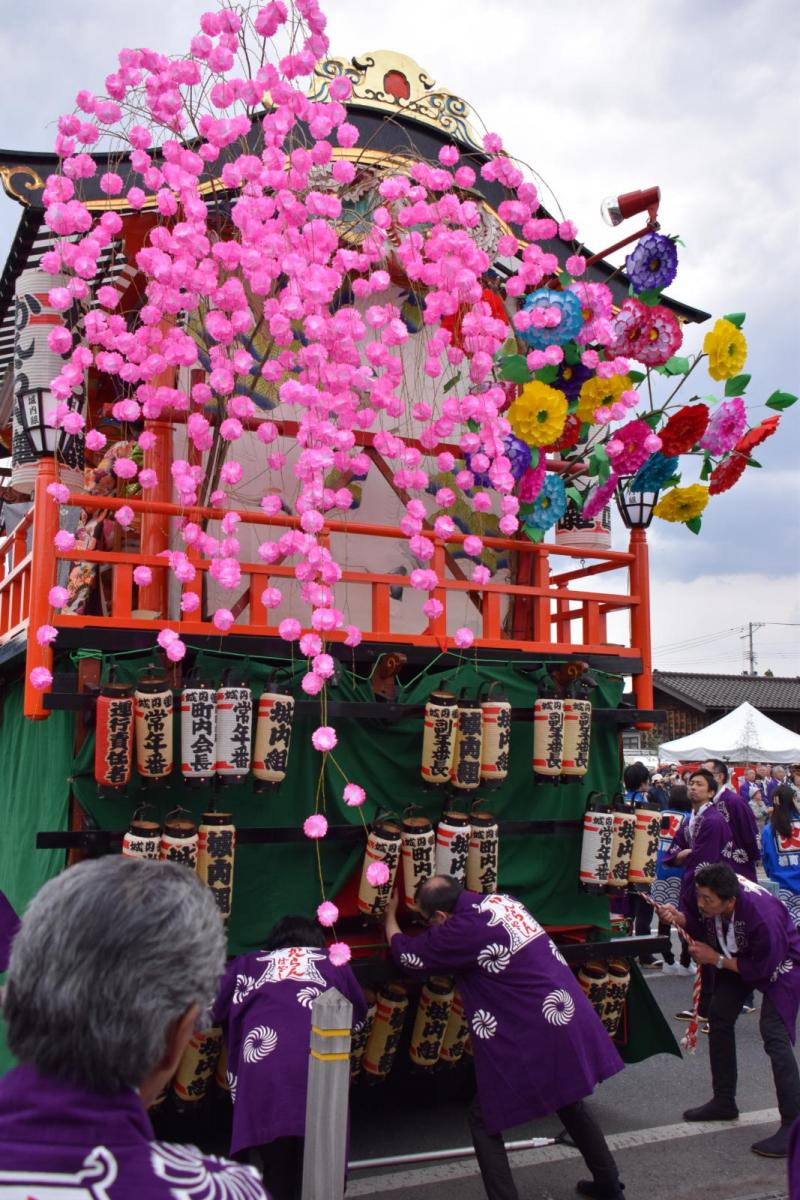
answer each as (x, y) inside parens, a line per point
(700, 98)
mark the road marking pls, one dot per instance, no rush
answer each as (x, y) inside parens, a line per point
(396, 1181)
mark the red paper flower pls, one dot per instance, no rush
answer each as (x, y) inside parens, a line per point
(571, 434)
(725, 475)
(754, 437)
(683, 430)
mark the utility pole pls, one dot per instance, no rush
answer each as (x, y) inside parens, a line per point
(751, 656)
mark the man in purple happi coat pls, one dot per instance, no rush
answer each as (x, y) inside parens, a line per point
(748, 938)
(739, 815)
(115, 962)
(538, 1045)
(9, 924)
(264, 1007)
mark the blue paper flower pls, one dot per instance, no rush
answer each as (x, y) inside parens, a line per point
(653, 474)
(570, 324)
(653, 262)
(516, 451)
(549, 506)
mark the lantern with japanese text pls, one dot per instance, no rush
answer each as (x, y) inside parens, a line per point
(594, 979)
(430, 1024)
(387, 1026)
(113, 747)
(273, 737)
(439, 737)
(456, 1034)
(419, 850)
(619, 978)
(361, 1034)
(383, 845)
(642, 868)
(197, 1066)
(216, 845)
(624, 830)
(577, 738)
(495, 738)
(548, 738)
(598, 837)
(484, 847)
(142, 839)
(465, 770)
(153, 713)
(223, 1076)
(452, 844)
(198, 734)
(179, 839)
(234, 729)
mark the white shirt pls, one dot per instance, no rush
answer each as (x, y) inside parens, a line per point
(695, 817)
(726, 940)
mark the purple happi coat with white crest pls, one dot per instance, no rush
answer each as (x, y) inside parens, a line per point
(708, 836)
(59, 1141)
(538, 1043)
(264, 1007)
(744, 832)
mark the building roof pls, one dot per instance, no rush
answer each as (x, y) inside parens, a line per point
(706, 692)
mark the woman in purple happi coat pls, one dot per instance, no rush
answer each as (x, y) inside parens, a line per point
(115, 963)
(748, 939)
(264, 1007)
(538, 1044)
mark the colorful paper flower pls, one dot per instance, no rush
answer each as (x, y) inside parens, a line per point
(726, 474)
(571, 434)
(569, 324)
(377, 874)
(327, 914)
(684, 429)
(463, 638)
(725, 426)
(549, 506)
(598, 394)
(571, 378)
(726, 347)
(599, 498)
(595, 300)
(682, 504)
(324, 738)
(518, 454)
(40, 678)
(653, 263)
(353, 795)
(654, 474)
(537, 416)
(754, 437)
(531, 483)
(315, 826)
(57, 597)
(339, 953)
(46, 635)
(660, 339)
(633, 452)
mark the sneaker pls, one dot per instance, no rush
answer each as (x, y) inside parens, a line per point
(671, 969)
(775, 1146)
(690, 970)
(715, 1110)
(687, 1014)
(705, 1027)
(747, 1009)
(655, 965)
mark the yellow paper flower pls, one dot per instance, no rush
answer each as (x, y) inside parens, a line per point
(538, 414)
(601, 393)
(726, 347)
(682, 504)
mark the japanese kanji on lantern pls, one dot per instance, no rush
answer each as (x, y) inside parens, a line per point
(593, 978)
(548, 737)
(273, 736)
(198, 734)
(465, 770)
(439, 737)
(430, 1023)
(179, 839)
(452, 844)
(495, 738)
(383, 846)
(360, 1037)
(419, 851)
(216, 845)
(113, 746)
(484, 851)
(142, 838)
(621, 845)
(642, 868)
(456, 1033)
(153, 715)
(596, 847)
(577, 738)
(234, 730)
(619, 978)
(197, 1065)
(387, 1026)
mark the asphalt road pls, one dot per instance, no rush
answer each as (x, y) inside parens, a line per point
(660, 1156)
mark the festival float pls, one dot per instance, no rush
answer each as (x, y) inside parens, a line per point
(314, 416)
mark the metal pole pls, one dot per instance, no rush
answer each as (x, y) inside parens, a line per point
(325, 1151)
(399, 1160)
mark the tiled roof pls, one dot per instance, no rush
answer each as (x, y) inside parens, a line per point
(704, 692)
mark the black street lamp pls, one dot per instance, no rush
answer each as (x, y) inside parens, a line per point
(635, 508)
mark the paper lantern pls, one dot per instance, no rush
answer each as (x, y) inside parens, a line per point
(142, 839)
(465, 770)
(621, 846)
(452, 845)
(273, 736)
(113, 746)
(456, 1034)
(222, 1075)
(430, 1024)
(592, 533)
(179, 839)
(216, 845)
(197, 1066)
(619, 978)
(358, 1043)
(198, 734)
(383, 845)
(234, 729)
(577, 738)
(642, 868)
(419, 851)
(387, 1026)
(153, 713)
(593, 978)
(439, 737)
(482, 858)
(495, 740)
(596, 847)
(548, 738)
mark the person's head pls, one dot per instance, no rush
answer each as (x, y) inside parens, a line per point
(679, 797)
(687, 775)
(294, 931)
(436, 898)
(702, 787)
(796, 774)
(716, 888)
(636, 776)
(783, 810)
(764, 771)
(114, 963)
(779, 774)
(718, 769)
(750, 775)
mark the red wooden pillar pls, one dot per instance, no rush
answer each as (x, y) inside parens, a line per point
(640, 619)
(43, 569)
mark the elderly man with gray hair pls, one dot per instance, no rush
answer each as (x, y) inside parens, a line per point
(115, 963)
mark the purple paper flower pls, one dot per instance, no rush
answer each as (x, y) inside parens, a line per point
(518, 454)
(570, 379)
(653, 263)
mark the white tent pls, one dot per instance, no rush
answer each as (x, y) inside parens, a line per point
(743, 735)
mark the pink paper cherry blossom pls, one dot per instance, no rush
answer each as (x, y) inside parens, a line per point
(463, 638)
(324, 738)
(57, 597)
(353, 795)
(377, 874)
(327, 914)
(352, 636)
(95, 440)
(223, 619)
(142, 576)
(46, 635)
(124, 516)
(40, 678)
(339, 953)
(176, 650)
(289, 629)
(190, 602)
(312, 684)
(64, 540)
(315, 826)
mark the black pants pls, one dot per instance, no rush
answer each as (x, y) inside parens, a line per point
(581, 1127)
(664, 929)
(642, 921)
(726, 1004)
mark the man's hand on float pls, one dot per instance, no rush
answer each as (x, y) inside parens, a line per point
(669, 914)
(703, 955)
(390, 921)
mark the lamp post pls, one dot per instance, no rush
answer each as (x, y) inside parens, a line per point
(636, 510)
